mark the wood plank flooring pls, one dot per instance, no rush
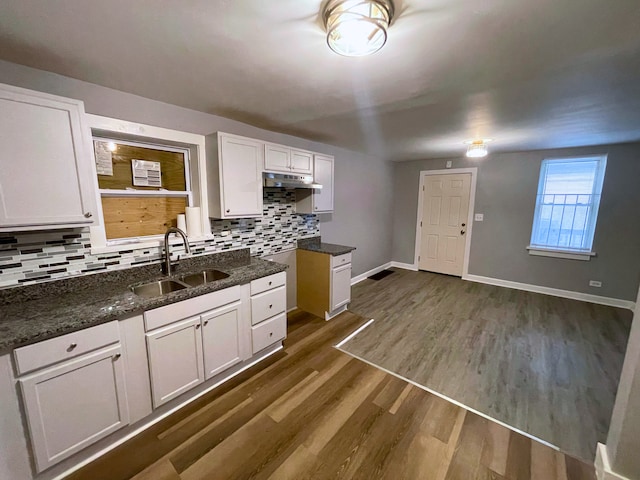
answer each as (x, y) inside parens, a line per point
(313, 412)
(545, 365)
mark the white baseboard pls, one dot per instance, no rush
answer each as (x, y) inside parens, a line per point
(556, 292)
(373, 271)
(406, 266)
(603, 468)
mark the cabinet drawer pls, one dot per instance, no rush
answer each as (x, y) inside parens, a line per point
(267, 283)
(159, 317)
(340, 260)
(269, 332)
(67, 346)
(268, 304)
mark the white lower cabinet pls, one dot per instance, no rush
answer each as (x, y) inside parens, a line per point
(340, 286)
(268, 311)
(221, 337)
(175, 359)
(269, 332)
(74, 404)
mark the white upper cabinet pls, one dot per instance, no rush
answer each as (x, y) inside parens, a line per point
(318, 201)
(236, 174)
(280, 158)
(277, 158)
(48, 175)
(301, 161)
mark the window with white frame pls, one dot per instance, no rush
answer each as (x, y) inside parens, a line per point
(142, 186)
(567, 204)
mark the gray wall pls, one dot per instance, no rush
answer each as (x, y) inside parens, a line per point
(362, 214)
(506, 192)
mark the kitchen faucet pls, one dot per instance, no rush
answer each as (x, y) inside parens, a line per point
(167, 254)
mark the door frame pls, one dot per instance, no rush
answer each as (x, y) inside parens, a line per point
(472, 201)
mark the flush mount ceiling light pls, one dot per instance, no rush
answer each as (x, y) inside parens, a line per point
(477, 148)
(357, 27)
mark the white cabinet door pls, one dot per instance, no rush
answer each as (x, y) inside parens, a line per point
(340, 286)
(241, 176)
(74, 404)
(323, 174)
(302, 162)
(277, 158)
(46, 161)
(221, 333)
(175, 359)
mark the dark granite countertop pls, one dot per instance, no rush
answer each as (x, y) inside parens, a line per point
(315, 244)
(37, 312)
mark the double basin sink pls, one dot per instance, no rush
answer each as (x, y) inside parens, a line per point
(168, 285)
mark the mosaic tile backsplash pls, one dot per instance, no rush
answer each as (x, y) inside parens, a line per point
(32, 257)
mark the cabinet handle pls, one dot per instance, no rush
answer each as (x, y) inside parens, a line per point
(197, 326)
(88, 215)
(117, 356)
(270, 283)
(206, 322)
(271, 334)
(316, 208)
(271, 306)
(72, 346)
(228, 211)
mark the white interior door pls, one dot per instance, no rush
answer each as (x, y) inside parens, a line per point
(445, 211)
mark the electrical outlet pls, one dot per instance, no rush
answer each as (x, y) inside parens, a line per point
(449, 163)
(595, 283)
(479, 217)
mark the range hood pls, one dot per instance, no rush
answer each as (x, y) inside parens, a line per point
(286, 180)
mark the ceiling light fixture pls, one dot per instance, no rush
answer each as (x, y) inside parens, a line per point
(477, 148)
(357, 27)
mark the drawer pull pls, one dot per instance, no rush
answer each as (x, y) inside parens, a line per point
(271, 305)
(270, 283)
(271, 334)
(206, 322)
(71, 347)
(117, 356)
(197, 326)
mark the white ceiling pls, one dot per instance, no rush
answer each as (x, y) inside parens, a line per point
(528, 73)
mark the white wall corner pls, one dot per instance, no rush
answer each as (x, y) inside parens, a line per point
(603, 468)
(406, 266)
(373, 271)
(556, 292)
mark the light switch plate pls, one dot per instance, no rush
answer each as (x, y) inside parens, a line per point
(449, 163)
(479, 217)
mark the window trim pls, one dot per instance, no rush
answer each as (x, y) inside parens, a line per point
(129, 131)
(566, 252)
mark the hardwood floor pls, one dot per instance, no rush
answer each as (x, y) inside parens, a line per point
(314, 412)
(545, 365)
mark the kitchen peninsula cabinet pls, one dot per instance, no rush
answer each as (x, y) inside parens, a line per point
(46, 160)
(324, 282)
(235, 176)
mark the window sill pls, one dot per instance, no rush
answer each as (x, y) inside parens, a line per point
(152, 242)
(557, 253)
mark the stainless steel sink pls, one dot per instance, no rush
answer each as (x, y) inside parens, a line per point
(157, 289)
(200, 278)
